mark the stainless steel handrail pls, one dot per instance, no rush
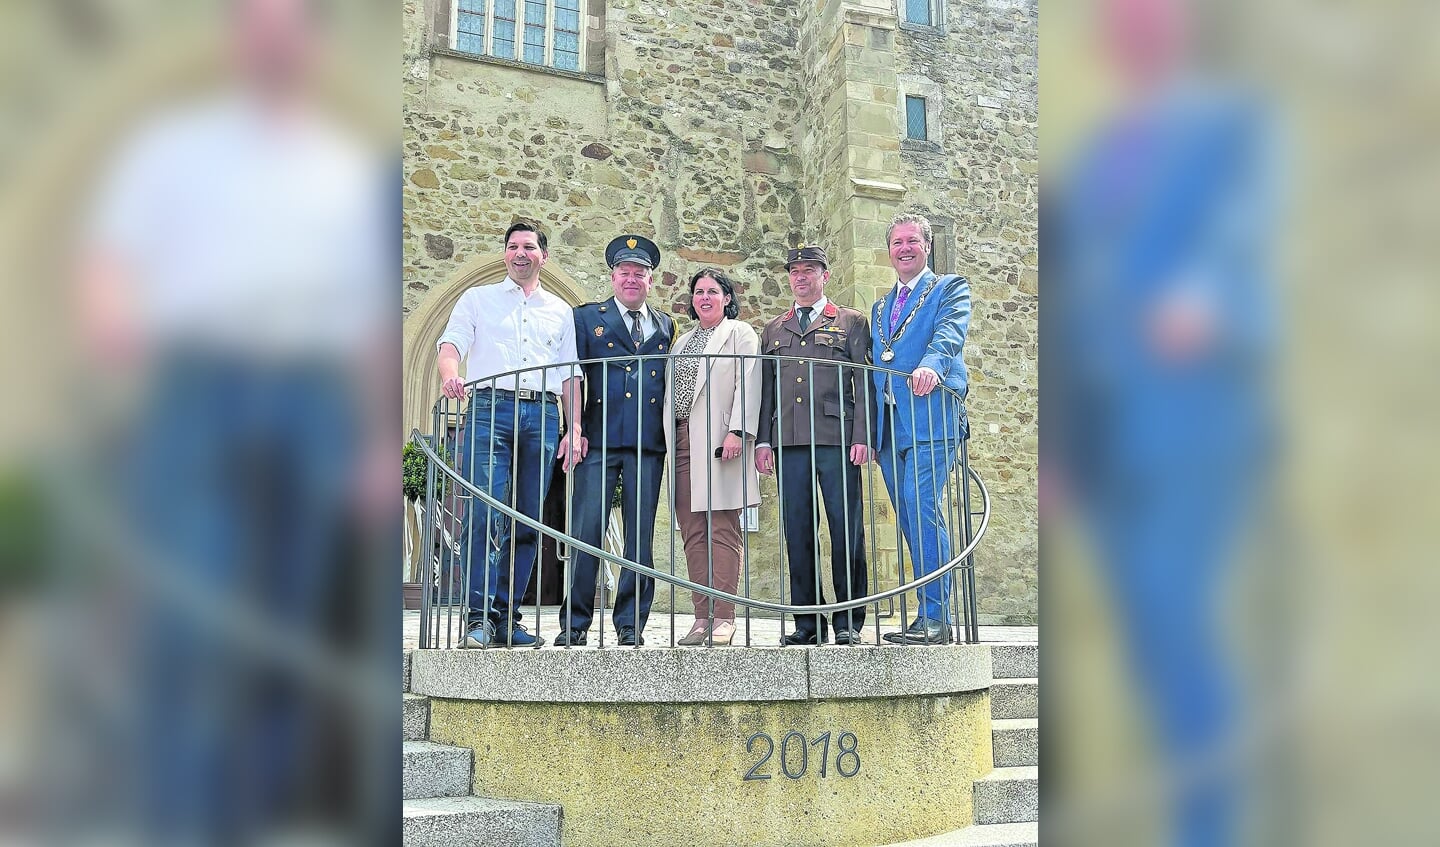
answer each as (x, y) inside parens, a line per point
(961, 561)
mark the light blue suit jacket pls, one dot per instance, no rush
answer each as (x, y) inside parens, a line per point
(934, 338)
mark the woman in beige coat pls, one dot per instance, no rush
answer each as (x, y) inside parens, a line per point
(715, 412)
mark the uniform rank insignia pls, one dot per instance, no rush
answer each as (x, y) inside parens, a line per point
(599, 331)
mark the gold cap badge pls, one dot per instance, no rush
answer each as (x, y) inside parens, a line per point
(631, 243)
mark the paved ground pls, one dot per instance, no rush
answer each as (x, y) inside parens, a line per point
(763, 632)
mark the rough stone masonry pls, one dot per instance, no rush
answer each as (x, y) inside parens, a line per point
(727, 130)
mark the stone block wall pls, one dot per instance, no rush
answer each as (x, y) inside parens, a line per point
(981, 182)
(728, 130)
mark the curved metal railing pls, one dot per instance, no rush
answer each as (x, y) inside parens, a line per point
(450, 491)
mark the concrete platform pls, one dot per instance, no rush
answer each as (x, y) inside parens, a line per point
(680, 675)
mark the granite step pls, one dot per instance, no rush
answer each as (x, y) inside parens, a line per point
(1016, 742)
(1008, 795)
(435, 770)
(479, 822)
(1015, 661)
(1015, 699)
(982, 835)
(415, 717)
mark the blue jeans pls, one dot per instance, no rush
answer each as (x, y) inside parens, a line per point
(235, 487)
(916, 477)
(507, 451)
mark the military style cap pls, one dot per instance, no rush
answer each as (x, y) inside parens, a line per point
(632, 248)
(805, 253)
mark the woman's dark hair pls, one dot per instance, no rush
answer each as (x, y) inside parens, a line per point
(727, 286)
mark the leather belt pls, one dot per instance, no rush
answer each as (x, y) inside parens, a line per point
(522, 394)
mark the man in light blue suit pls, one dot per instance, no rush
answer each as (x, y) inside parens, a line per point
(919, 328)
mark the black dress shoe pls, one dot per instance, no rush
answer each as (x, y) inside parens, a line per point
(849, 636)
(626, 637)
(570, 638)
(923, 631)
(800, 638)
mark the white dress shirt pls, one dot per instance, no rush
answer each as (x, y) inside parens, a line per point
(818, 306)
(647, 320)
(247, 257)
(496, 329)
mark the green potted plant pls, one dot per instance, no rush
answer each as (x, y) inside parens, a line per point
(414, 466)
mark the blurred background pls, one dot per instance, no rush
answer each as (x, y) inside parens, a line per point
(1237, 466)
(200, 333)
(198, 457)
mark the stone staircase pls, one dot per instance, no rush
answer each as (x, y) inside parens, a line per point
(1007, 800)
(438, 808)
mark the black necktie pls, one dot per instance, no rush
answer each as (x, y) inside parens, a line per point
(635, 331)
(805, 312)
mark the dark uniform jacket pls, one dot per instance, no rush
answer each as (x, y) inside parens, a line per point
(624, 397)
(838, 334)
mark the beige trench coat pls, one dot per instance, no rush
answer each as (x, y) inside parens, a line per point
(734, 484)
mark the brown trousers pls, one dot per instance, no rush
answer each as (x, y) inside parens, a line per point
(712, 539)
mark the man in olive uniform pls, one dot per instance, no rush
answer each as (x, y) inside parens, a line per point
(818, 418)
(622, 438)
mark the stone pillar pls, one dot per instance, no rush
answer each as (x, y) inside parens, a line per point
(852, 147)
(851, 155)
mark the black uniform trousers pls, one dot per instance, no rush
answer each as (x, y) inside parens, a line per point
(839, 483)
(638, 476)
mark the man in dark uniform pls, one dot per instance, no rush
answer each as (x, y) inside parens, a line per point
(818, 418)
(621, 436)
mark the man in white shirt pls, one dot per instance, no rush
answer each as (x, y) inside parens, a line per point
(510, 333)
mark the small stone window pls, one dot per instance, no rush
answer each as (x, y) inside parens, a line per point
(939, 258)
(917, 12)
(927, 13)
(920, 102)
(547, 33)
(915, 125)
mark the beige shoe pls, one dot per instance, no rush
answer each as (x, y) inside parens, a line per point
(696, 636)
(722, 632)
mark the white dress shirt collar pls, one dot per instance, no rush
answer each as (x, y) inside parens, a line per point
(818, 306)
(647, 322)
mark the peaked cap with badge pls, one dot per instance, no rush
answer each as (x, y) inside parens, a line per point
(632, 248)
(619, 407)
(838, 334)
(807, 253)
